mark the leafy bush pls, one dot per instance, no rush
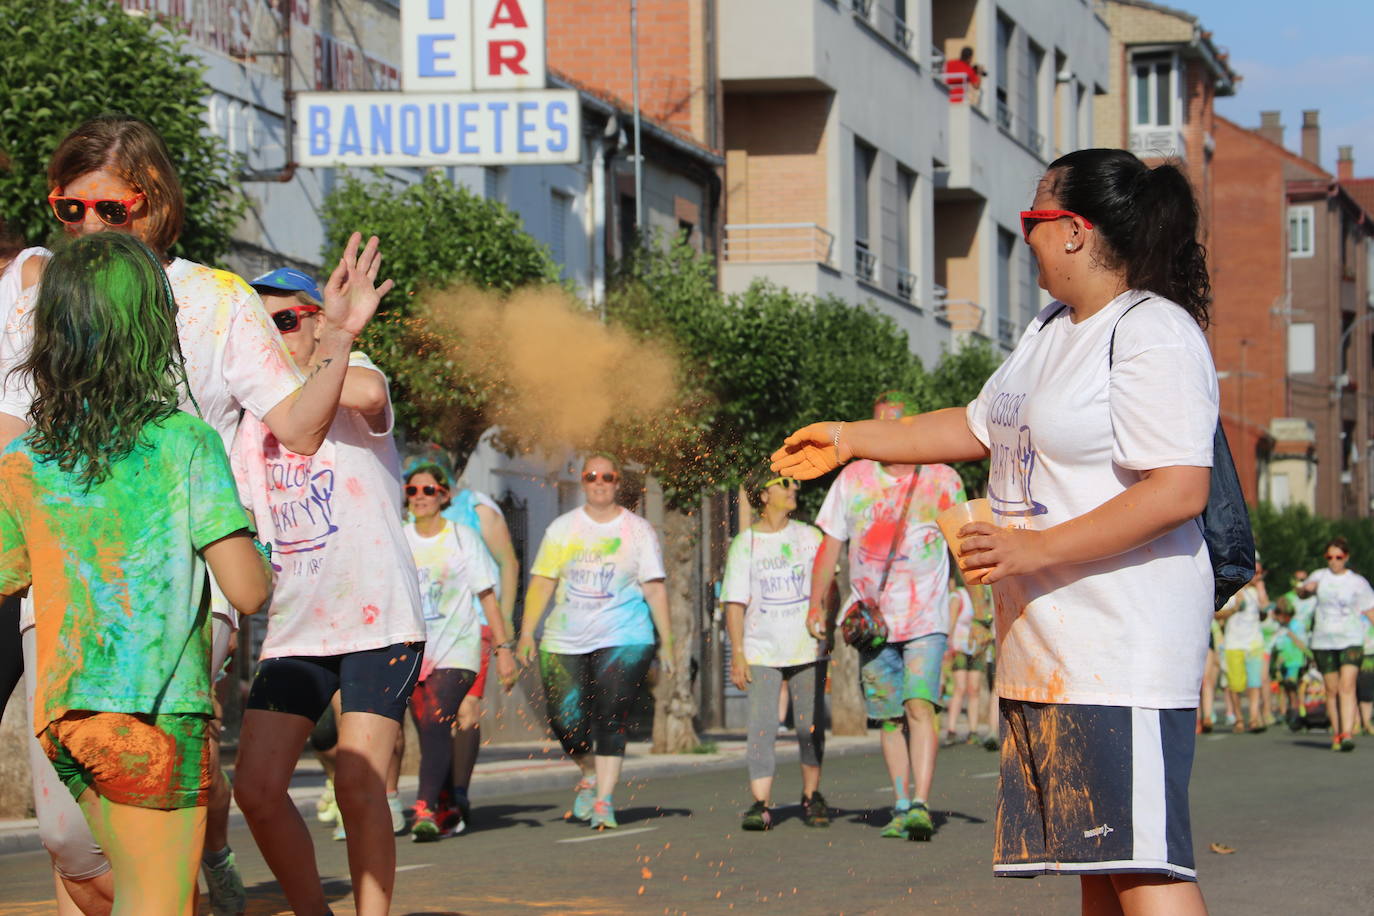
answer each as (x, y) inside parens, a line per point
(1292, 538)
(62, 63)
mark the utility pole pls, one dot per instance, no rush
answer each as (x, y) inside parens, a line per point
(634, 79)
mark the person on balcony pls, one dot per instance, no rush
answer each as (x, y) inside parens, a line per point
(962, 74)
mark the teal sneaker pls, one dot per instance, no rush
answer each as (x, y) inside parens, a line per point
(584, 801)
(896, 828)
(603, 815)
(227, 896)
(918, 824)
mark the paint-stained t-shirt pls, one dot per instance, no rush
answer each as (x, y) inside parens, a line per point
(769, 572)
(235, 359)
(462, 510)
(863, 507)
(963, 639)
(117, 580)
(1242, 630)
(452, 574)
(1066, 433)
(1339, 620)
(601, 569)
(346, 580)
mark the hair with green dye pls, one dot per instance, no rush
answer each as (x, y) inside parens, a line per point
(106, 360)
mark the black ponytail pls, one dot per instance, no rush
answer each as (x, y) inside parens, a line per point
(1148, 219)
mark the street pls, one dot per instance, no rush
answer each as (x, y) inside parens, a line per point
(1297, 816)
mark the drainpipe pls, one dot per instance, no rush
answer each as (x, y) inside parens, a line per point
(599, 222)
(639, 151)
(288, 99)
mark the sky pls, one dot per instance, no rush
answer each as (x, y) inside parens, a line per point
(1299, 55)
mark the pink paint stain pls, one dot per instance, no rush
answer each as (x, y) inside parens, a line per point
(370, 613)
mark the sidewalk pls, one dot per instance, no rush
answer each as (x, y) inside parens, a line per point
(512, 769)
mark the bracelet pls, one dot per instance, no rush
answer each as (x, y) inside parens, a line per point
(835, 440)
(508, 645)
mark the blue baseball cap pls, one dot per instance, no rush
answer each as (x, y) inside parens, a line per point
(288, 280)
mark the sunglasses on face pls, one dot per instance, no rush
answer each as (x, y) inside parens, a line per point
(1032, 218)
(605, 476)
(787, 483)
(413, 490)
(289, 318)
(1335, 556)
(112, 211)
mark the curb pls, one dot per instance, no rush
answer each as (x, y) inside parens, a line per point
(497, 780)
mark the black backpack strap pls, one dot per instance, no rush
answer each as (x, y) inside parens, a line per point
(1053, 315)
(1111, 344)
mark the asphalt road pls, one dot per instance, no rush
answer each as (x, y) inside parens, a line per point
(1300, 819)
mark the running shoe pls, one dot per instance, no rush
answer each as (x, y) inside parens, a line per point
(326, 808)
(896, 828)
(603, 815)
(227, 896)
(992, 743)
(339, 835)
(1336, 742)
(950, 739)
(815, 812)
(1206, 727)
(398, 817)
(584, 801)
(454, 821)
(426, 827)
(758, 817)
(1347, 742)
(918, 824)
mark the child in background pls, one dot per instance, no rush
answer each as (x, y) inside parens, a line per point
(115, 481)
(1289, 660)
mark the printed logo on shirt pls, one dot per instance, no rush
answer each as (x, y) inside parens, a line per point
(781, 582)
(1012, 467)
(589, 581)
(1099, 832)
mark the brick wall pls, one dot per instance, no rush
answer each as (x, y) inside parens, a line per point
(776, 157)
(589, 40)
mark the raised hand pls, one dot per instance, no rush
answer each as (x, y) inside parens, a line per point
(351, 296)
(811, 452)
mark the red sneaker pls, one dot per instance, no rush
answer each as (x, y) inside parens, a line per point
(426, 827)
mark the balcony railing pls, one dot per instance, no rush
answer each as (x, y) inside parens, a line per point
(778, 242)
(1015, 126)
(906, 284)
(883, 20)
(865, 263)
(1006, 332)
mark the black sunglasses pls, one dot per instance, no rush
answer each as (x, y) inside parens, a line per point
(289, 318)
(607, 476)
(413, 490)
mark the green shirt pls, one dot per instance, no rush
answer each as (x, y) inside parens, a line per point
(118, 584)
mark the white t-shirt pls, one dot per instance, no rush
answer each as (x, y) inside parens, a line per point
(601, 569)
(1341, 602)
(961, 640)
(769, 572)
(235, 359)
(451, 575)
(15, 302)
(1066, 434)
(863, 507)
(346, 580)
(1242, 629)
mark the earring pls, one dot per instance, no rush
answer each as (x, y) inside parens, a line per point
(1068, 246)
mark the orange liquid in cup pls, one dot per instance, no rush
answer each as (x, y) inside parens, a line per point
(955, 518)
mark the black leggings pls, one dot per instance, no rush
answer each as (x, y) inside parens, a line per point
(434, 706)
(589, 695)
(11, 649)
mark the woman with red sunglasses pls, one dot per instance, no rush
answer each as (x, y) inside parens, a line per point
(1345, 605)
(603, 567)
(1099, 428)
(114, 173)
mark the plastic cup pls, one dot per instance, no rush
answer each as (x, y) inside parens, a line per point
(955, 518)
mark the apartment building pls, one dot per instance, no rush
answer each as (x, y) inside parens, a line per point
(1291, 254)
(1166, 73)
(853, 170)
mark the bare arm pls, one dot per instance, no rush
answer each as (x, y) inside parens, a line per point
(938, 437)
(1158, 503)
(242, 573)
(656, 593)
(955, 606)
(505, 658)
(496, 535)
(739, 664)
(818, 617)
(11, 428)
(536, 603)
(364, 390)
(301, 421)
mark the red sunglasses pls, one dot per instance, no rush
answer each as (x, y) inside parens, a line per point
(288, 319)
(1032, 218)
(112, 211)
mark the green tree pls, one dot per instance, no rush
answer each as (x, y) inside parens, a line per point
(955, 381)
(61, 63)
(435, 234)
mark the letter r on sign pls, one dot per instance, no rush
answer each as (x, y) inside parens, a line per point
(505, 54)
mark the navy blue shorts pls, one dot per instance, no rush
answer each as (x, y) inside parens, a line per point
(378, 681)
(1094, 790)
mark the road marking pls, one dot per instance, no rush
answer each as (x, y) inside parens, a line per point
(607, 834)
(401, 868)
(986, 775)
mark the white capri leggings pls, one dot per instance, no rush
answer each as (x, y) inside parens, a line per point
(62, 827)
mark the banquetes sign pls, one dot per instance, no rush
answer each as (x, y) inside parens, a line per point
(472, 93)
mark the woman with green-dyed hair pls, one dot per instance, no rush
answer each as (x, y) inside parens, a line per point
(111, 507)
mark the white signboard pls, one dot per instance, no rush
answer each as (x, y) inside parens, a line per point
(460, 45)
(409, 129)
(508, 41)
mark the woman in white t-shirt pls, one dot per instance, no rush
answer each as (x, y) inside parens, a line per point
(767, 591)
(1099, 428)
(603, 567)
(454, 577)
(1345, 605)
(114, 173)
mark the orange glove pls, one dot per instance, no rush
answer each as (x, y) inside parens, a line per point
(812, 451)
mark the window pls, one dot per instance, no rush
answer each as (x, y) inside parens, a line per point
(1154, 90)
(865, 262)
(629, 235)
(1033, 137)
(1003, 64)
(559, 205)
(906, 194)
(1300, 242)
(1006, 252)
(491, 182)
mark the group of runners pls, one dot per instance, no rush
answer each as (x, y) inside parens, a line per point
(185, 447)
